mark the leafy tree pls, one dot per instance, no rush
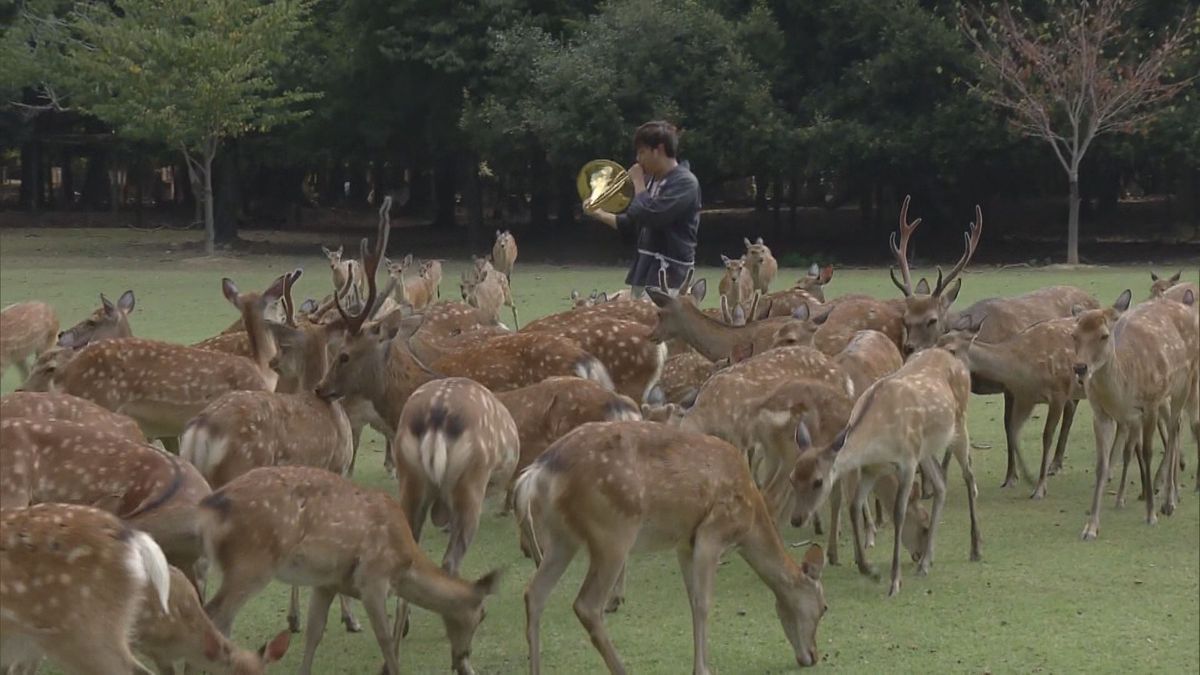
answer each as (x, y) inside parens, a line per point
(1074, 77)
(188, 73)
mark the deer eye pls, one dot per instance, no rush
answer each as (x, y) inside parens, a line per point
(344, 358)
(931, 322)
(817, 483)
(1103, 338)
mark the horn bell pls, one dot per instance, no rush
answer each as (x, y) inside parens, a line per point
(604, 184)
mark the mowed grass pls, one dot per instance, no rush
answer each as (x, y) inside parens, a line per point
(1040, 600)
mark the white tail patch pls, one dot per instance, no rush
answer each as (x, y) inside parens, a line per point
(432, 453)
(660, 361)
(623, 409)
(523, 492)
(850, 388)
(591, 369)
(147, 563)
(203, 450)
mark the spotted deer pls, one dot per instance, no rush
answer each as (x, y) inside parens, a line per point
(736, 285)
(487, 290)
(815, 280)
(26, 330)
(185, 633)
(547, 410)
(678, 318)
(900, 423)
(607, 486)
(633, 359)
(682, 377)
(1035, 366)
(107, 321)
(52, 460)
(580, 301)
(163, 385)
(504, 253)
(312, 527)
(1133, 363)
(1172, 287)
(345, 273)
(46, 405)
(833, 328)
(72, 579)
(761, 264)
(868, 357)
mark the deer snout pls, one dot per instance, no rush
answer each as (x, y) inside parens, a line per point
(807, 658)
(326, 393)
(1080, 370)
(799, 520)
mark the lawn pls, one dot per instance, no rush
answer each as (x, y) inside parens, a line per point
(1040, 600)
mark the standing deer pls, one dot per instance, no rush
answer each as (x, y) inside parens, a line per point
(607, 486)
(761, 264)
(430, 274)
(1133, 363)
(900, 423)
(26, 329)
(107, 321)
(311, 527)
(487, 290)
(346, 273)
(504, 253)
(736, 285)
(72, 579)
(633, 358)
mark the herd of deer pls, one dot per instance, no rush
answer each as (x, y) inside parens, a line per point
(618, 425)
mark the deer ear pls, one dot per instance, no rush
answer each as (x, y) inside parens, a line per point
(308, 306)
(922, 287)
(1076, 309)
(1153, 276)
(1123, 301)
(1175, 277)
(759, 241)
(1189, 298)
(230, 290)
(746, 242)
(814, 270)
(699, 290)
(125, 302)
(802, 312)
(574, 294)
(326, 251)
(803, 438)
(950, 294)
(725, 259)
(603, 296)
(826, 274)
(838, 442)
(408, 260)
(275, 292)
(658, 297)
(814, 562)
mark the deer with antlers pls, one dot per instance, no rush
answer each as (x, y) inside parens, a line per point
(898, 424)
(71, 582)
(311, 527)
(761, 264)
(607, 486)
(26, 330)
(1135, 363)
(51, 460)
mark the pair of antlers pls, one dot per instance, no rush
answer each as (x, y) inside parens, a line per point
(900, 252)
(354, 323)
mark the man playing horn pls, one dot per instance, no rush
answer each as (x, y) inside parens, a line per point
(665, 209)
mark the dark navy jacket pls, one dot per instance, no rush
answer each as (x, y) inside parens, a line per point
(667, 218)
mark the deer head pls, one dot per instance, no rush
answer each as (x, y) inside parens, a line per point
(671, 317)
(1160, 285)
(1093, 335)
(812, 470)
(814, 282)
(757, 252)
(734, 267)
(925, 310)
(108, 321)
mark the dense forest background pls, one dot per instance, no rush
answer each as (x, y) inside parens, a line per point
(803, 119)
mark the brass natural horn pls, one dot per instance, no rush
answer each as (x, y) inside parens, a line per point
(604, 184)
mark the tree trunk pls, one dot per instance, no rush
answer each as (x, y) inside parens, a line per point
(1073, 221)
(539, 203)
(210, 232)
(68, 180)
(29, 173)
(568, 197)
(228, 208)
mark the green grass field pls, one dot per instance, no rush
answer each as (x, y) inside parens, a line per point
(1040, 601)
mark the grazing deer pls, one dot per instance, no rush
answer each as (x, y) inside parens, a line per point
(60, 461)
(36, 405)
(761, 264)
(72, 579)
(682, 377)
(311, 527)
(1171, 287)
(185, 633)
(107, 321)
(504, 253)
(815, 280)
(26, 329)
(1034, 366)
(580, 301)
(633, 359)
(487, 290)
(163, 385)
(1133, 362)
(900, 423)
(608, 486)
(736, 285)
(868, 357)
(546, 411)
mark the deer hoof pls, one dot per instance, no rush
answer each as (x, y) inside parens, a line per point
(1039, 492)
(1054, 468)
(1089, 533)
(895, 589)
(614, 603)
(352, 624)
(293, 623)
(1010, 481)
(1167, 508)
(869, 571)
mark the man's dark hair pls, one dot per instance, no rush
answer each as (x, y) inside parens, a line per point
(654, 134)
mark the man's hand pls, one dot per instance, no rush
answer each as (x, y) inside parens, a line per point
(638, 175)
(601, 215)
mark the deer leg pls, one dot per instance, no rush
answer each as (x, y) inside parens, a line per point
(318, 615)
(906, 474)
(939, 500)
(464, 521)
(1105, 429)
(618, 593)
(1171, 454)
(375, 603)
(352, 625)
(559, 552)
(603, 570)
(1016, 413)
(962, 451)
(835, 517)
(239, 583)
(1053, 414)
(699, 567)
(1149, 428)
(293, 615)
(516, 323)
(355, 438)
(871, 518)
(1064, 433)
(857, 504)
(389, 460)
(1127, 444)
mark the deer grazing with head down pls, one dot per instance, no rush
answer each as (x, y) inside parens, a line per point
(72, 579)
(107, 321)
(900, 423)
(761, 264)
(1135, 363)
(312, 527)
(26, 330)
(610, 485)
(504, 253)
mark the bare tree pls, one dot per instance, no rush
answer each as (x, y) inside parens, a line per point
(1076, 75)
